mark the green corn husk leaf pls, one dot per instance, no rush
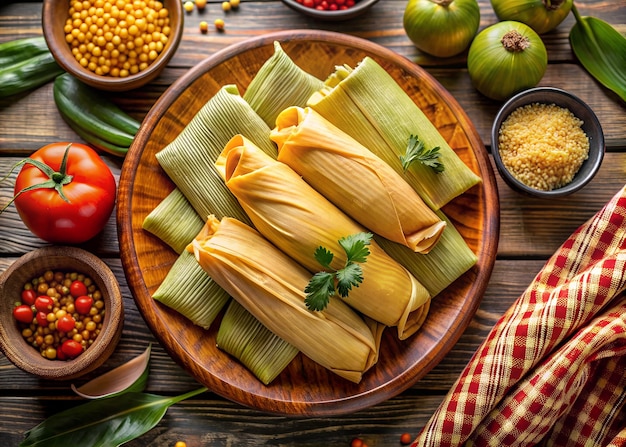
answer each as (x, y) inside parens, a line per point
(278, 84)
(131, 376)
(601, 49)
(439, 268)
(174, 221)
(190, 291)
(189, 159)
(105, 422)
(383, 123)
(241, 335)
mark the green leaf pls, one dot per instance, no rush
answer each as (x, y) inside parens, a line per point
(319, 290)
(601, 49)
(324, 256)
(355, 246)
(349, 276)
(108, 422)
(416, 151)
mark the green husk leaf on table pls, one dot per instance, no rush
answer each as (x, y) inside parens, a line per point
(107, 422)
(601, 49)
(128, 377)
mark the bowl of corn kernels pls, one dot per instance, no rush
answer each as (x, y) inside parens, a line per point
(114, 45)
(547, 142)
(61, 312)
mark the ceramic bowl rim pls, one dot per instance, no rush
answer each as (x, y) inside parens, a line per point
(561, 98)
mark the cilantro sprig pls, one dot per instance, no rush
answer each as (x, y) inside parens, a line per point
(326, 283)
(416, 151)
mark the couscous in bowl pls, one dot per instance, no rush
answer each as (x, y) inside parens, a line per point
(547, 142)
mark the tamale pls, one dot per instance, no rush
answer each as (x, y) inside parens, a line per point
(259, 349)
(356, 180)
(189, 159)
(270, 285)
(445, 263)
(174, 221)
(368, 104)
(278, 84)
(189, 290)
(298, 219)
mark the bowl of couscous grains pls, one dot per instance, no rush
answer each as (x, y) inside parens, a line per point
(547, 142)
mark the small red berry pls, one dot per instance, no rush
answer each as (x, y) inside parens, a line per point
(405, 439)
(78, 288)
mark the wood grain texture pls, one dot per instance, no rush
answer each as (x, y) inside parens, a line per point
(303, 388)
(531, 229)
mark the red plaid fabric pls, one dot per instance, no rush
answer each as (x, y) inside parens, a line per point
(552, 371)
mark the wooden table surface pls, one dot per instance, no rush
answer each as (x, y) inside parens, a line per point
(531, 229)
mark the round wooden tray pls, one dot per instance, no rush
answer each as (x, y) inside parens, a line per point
(303, 388)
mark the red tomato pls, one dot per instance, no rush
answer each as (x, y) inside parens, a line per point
(44, 303)
(42, 319)
(83, 304)
(60, 354)
(71, 348)
(28, 297)
(66, 323)
(78, 288)
(23, 313)
(78, 199)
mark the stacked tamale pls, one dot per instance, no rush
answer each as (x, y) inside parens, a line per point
(265, 179)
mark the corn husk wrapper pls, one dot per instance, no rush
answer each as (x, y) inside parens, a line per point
(278, 84)
(370, 106)
(190, 291)
(353, 178)
(189, 160)
(298, 219)
(174, 221)
(244, 337)
(270, 285)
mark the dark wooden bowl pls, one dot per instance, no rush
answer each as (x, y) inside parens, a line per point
(65, 259)
(359, 8)
(303, 388)
(53, 19)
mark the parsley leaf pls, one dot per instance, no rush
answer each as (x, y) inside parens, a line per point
(322, 285)
(416, 151)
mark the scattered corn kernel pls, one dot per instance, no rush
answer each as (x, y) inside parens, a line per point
(234, 3)
(543, 145)
(200, 4)
(204, 27)
(226, 6)
(180, 444)
(219, 24)
(188, 6)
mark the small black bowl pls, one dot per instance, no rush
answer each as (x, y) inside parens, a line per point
(591, 127)
(359, 8)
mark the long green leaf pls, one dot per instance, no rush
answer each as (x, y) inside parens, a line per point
(601, 49)
(105, 422)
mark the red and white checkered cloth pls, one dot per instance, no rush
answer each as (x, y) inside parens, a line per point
(552, 371)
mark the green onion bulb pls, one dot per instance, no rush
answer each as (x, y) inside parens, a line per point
(541, 15)
(441, 28)
(506, 58)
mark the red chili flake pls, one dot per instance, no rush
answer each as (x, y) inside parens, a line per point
(327, 5)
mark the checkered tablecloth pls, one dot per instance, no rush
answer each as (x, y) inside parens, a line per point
(552, 371)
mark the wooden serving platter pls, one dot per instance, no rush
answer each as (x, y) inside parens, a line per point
(304, 388)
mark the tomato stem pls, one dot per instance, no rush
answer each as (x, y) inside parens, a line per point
(57, 179)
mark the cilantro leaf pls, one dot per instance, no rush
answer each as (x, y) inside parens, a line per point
(350, 275)
(355, 246)
(416, 151)
(324, 256)
(322, 285)
(318, 290)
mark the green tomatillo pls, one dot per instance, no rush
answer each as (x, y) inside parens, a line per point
(541, 15)
(441, 28)
(506, 58)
